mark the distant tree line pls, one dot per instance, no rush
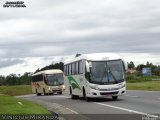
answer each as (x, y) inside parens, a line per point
(154, 68)
(14, 79)
(25, 79)
(52, 66)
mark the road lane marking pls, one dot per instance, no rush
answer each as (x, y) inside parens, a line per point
(131, 96)
(128, 110)
(72, 110)
(62, 96)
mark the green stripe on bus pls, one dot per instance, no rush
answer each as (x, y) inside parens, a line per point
(73, 83)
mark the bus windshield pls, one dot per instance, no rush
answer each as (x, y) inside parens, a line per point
(106, 72)
(55, 79)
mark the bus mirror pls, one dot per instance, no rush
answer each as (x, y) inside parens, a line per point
(125, 66)
(87, 67)
(90, 64)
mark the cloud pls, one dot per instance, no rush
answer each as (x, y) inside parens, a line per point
(48, 50)
(9, 62)
(28, 64)
(31, 64)
(59, 28)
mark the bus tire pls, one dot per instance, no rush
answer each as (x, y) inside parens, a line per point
(38, 94)
(44, 92)
(60, 92)
(84, 95)
(72, 96)
(114, 97)
(88, 99)
(70, 91)
(50, 93)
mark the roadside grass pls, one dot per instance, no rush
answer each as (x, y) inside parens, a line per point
(132, 78)
(12, 105)
(148, 85)
(16, 90)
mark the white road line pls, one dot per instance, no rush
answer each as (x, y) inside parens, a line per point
(62, 96)
(128, 110)
(131, 96)
(72, 110)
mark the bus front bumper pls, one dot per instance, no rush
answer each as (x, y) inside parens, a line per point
(105, 94)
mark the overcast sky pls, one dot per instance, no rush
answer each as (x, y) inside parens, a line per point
(46, 30)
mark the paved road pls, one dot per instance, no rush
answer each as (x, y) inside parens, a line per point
(133, 105)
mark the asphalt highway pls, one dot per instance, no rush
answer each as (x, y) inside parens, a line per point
(135, 105)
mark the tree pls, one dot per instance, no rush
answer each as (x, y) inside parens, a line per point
(12, 79)
(139, 67)
(25, 79)
(2, 80)
(52, 66)
(131, 65)
(77, 55)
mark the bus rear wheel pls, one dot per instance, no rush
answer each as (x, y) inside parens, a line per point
(44, 92)
(60, 92)
(38, 94)
(72, 96)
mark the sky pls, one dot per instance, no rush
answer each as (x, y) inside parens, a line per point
(49, 31)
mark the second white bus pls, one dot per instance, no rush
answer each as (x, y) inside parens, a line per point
(95, 75)
(48, 82)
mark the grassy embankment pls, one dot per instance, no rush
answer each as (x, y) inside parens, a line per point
(149, 86)
(16, 90)
(138, 82)
(13, 105)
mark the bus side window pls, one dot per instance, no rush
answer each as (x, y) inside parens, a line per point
(44, 78)
(33, 78)
(73, 68)
(80, 67)
(77, 68)
(70, 69)
(65, 69)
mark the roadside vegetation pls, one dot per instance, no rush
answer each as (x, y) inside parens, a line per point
(21, 84)
(16, 90)
(136, 81)
(149, 86)
(137, 77)
(13, 105)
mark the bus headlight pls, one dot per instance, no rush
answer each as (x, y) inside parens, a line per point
(95, 87)
(63, 87)
(49, 88)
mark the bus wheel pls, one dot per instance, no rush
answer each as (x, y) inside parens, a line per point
(44, 92)
(38, 94)
(72, 96)
(84, 95)
(60, 92)
(114, 97)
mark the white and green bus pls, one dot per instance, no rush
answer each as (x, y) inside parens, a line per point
(48, 82)
(95, 75)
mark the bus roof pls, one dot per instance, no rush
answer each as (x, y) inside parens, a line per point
(94, 57)
(51, 71)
